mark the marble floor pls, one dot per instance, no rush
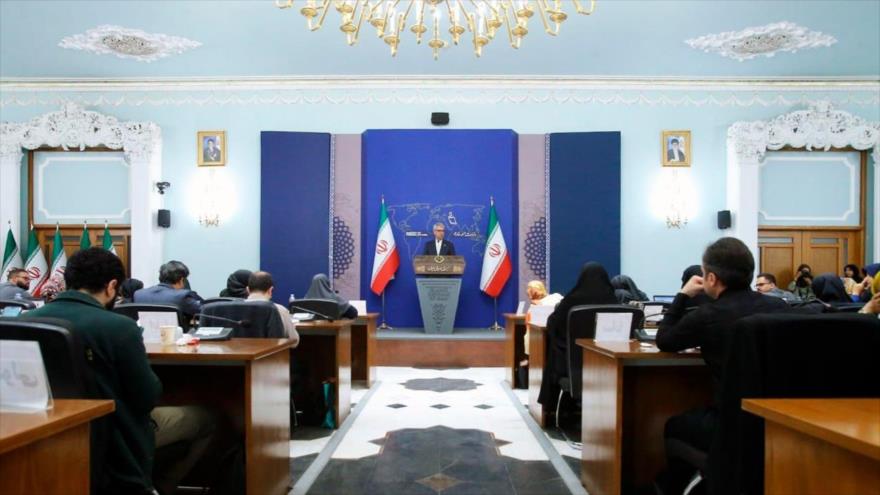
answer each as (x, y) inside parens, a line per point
(434, 431)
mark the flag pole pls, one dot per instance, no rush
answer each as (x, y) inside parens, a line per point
(495, 326)
(384, 325)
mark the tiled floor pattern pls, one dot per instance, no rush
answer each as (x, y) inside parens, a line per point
(434, 431)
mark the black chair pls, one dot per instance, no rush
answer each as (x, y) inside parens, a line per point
(212, 300)
(24, 304)
(322, 309)
(582, 325)
(254, 319)
(846, 307)
(785, 356)
(132, 310)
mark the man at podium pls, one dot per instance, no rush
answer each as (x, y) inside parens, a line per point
(439, 246)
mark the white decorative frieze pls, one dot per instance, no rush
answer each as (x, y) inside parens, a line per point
(761, 40)
(128, 43)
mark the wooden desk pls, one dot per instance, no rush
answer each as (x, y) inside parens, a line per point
(363, 348)
(325, 351)
(629, 391)
(537, 358)
(819, 446)
(48, 452)
(514, 350)
(249, 380)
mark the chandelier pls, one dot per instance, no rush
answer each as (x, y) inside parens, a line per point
(479, 21)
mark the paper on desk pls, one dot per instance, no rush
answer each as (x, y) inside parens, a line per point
(150, 321)
(520, 307)
(360, 306)
(613, 327)
(23, 383)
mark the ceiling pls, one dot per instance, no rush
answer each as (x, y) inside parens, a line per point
(623, 38)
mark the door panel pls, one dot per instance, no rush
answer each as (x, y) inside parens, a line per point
(779, 253)
(826, 251)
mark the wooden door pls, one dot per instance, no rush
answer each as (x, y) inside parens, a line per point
(70, 237)
(825, 250)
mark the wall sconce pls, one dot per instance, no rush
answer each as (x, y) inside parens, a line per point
(675, 197)
(215, 197)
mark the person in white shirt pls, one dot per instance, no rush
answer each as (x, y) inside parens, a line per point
(260, 286)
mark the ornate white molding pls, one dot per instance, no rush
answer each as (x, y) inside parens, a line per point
(128, 43)
(764, 40)
(819, 127)
(75, 127)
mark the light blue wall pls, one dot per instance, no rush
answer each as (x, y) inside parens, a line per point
(815, 189)
(651, 253)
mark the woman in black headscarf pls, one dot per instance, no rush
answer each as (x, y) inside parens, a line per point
(829, 288)
(626, 290)
(320, 289)
(593, 287)
(701, 298)
(127, 289)
(236, 284)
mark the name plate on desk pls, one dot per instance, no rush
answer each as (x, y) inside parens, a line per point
(613, 327)
(538, 314)
(23, 381)
(438, 265)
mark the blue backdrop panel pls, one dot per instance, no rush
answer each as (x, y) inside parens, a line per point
(429, 176)
(584, 204)
(294, 209)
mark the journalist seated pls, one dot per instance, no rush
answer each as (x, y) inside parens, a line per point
(172, 289)
(16, 285)
(260, 287)
(320, 289)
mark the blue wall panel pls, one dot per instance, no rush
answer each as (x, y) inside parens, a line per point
(584, 204)
(294, 209)
(431, 175)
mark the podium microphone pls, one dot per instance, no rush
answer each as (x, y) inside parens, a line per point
(311, 311)
(238, 323)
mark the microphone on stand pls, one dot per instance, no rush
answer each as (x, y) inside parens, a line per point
(237, 323)
(311, 311)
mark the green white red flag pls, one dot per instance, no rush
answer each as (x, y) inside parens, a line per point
(11, 256)
(386, 259)
(496, 259)
(35, 264)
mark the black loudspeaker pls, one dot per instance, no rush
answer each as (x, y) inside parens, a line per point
(724, 219)
(440, 118)
(164, 218)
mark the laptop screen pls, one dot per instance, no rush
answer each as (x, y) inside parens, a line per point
(664, 299)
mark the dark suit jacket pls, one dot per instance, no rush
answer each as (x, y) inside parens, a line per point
(704, 326)
(447, 249)
(188, 301)
(669, 155)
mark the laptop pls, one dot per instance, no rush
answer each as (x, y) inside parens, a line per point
(664, 299)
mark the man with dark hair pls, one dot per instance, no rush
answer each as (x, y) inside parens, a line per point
(115, 352)
(260, 287)
(172, 289)
(16, 286)
(766, 284)
(728, 266)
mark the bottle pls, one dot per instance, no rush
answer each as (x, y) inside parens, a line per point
(292, 298)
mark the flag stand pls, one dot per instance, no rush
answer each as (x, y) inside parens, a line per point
(384, 325)
(495, 326)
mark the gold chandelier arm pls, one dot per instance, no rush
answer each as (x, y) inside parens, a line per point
(580, 9)
(405, 17)
(364, 4)
(508, 23)
(542, 10)
(325, 9)
(284, 4)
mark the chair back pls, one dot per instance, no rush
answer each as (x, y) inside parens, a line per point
(258, 319)
(24, 304)
(846, 307)
(785, 355)
(132, 310)
(63, 354)
(582, 325)
(322, 309)
(212, 300)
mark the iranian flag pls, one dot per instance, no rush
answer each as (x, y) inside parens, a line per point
(59, 258)
(85, 241)
(11, 256)
(386, 260)
(496, 259)
(108, 240)
(35, 264)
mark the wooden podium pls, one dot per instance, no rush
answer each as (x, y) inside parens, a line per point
(439, 285)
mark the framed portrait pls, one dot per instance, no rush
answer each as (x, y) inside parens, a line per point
(211, 148)
(675, 148)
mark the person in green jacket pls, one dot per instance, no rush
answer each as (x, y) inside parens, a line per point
(116, 354)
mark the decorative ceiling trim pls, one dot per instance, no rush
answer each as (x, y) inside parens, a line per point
(128, 43)
(767, 40)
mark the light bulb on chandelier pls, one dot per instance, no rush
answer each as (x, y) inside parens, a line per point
(481, 18)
